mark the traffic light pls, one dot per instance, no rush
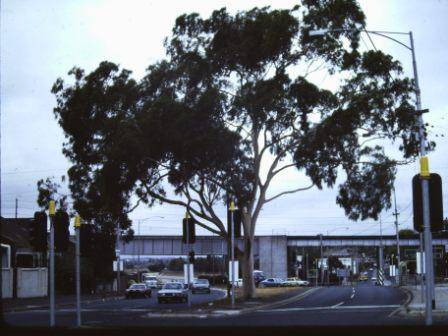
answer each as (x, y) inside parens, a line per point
(61, 234)
(188, 231)
(191, 257)
(87, 240)
(38, 232)
(236, 222)
(435, 203)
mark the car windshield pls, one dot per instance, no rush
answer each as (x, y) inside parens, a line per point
(202, 281)
(172, 286)
(135, 286)
(229, 163)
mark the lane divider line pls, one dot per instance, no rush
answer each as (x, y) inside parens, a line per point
(337, 305)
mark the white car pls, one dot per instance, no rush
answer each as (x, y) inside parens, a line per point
(272, 282)
(153, 282)
(292, 282)
(172, 292)
(200, 286)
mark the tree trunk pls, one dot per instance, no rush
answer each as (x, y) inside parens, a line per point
(247, 268)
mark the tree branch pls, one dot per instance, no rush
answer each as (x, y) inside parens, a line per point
(289, 192)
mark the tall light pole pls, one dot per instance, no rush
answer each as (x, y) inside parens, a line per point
(424, 163)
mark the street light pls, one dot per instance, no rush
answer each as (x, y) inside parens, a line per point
(424, 164)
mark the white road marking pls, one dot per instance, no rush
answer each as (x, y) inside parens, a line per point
(338, 304)
(329, 308)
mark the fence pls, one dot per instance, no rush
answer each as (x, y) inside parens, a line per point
(32, 282)
(7, 283)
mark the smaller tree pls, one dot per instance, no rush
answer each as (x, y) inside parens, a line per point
(406, 233)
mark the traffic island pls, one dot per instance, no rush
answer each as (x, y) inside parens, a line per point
(21, 304)
(266, 298)
(415, 306)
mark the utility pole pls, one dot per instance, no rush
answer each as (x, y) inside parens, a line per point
(17, 206)
(321, 262)
(188, 258)
(424, 175)
(232, 252)
(381, 256)
(51, 211)
(398, 277)
(117, 253)
(78, 271)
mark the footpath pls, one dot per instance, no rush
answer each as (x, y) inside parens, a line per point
(20, 304)
(416, 307)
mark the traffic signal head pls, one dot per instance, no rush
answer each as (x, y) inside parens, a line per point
(236, 222)
(188, 231)
(435, 203)
(61, 234)
(38, 232)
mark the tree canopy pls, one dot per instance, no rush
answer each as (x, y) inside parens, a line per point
(234, 90)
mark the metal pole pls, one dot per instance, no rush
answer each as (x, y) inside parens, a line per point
(78, 278)
(381, 256)
(17, 206)
(232, 252)
(138, 256)
(425, 195)
(421, 268)
(52, 305)
(188, 259)
(398, 239)
(117, 252)
(321, 263)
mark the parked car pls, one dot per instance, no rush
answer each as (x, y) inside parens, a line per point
(293, 282)
(172, 292)
(272, 282)
(200, 286)
(138, 290)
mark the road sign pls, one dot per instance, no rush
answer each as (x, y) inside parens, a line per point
(115, 265)
(236, 272)
(186, 274)
(419, 263)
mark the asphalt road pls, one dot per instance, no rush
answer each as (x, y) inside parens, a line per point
(108, 312)
(361, 304)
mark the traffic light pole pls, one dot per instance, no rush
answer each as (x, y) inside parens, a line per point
(78, 272)
(232, 252)
(421, 268)
(52, 305)
(188, 260)
(424, 173)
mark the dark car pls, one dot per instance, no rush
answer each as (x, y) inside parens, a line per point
(200, 286)
(172, 292)
(258, 277)
(138, 290)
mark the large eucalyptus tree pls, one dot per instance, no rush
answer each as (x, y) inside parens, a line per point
(235, 93)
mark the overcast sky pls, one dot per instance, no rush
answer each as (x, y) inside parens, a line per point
(42, 40)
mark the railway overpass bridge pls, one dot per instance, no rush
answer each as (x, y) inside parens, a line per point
(270, 251)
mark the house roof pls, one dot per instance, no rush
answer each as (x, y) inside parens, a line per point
(16, 231)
